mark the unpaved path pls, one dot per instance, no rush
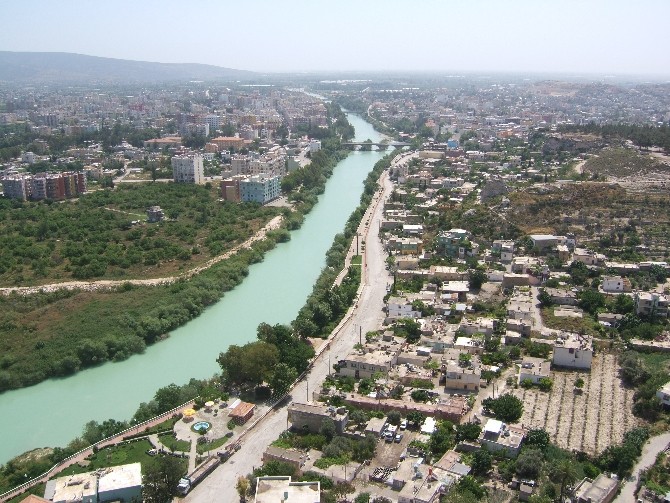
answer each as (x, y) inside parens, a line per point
(108, 284)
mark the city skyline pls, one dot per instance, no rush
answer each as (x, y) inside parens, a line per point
(522, 36)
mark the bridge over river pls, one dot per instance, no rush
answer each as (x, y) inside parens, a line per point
(379, 145)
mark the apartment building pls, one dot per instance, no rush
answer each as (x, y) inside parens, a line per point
(573, 350)
(260, 188)
(188, 169)
(651, 304)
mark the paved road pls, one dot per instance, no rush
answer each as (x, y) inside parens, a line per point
(651, 449)
(366, 315)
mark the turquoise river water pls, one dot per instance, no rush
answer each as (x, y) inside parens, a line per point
(55, 411)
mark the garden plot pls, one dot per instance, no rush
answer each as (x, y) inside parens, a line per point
(590, 421)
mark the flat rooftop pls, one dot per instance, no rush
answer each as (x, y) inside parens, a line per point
(278, 489)
(120, 477)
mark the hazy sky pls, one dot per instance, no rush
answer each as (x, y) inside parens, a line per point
(575, 36)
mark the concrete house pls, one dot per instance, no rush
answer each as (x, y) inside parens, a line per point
(533, 369)
(601, 490)
(498, 436)
(616, 284)
(648, 304)
(573, 350)
(663, 394)
(310, 417)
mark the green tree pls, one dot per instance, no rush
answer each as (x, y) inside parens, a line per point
(529, 463)
(467, 431)
(476, 278)
(160, 479)
(283, 377)
(538, 438)
(482, 461)
(506, 408)
(591, 300)
(242, 486)
(563, 473)
(250, 364)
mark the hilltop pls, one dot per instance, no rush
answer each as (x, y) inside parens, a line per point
(68, 67)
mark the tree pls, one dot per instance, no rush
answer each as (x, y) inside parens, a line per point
(529, 463)
(506, 408)
(476, 278)
(160, 479)
(341, 489)
(564, 474)
(408, 328)
(544, 298)
(482, 461)
(394, 417)
(282, 379)
(250, 364)
(168, 397)
(538, 438)
(242, 487)
(328, 429)
(591, 300)
(467, 431)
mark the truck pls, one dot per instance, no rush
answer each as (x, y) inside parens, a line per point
(186, 483)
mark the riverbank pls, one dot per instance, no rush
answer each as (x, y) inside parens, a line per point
(190, 350)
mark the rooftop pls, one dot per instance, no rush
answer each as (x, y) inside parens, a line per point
(277, 489)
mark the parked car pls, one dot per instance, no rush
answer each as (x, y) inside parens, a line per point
(398, 438)
(403, 424)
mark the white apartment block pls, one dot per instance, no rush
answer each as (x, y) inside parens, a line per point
(188, 169)
(663, 394)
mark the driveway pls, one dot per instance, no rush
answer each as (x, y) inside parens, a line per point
(651, 449)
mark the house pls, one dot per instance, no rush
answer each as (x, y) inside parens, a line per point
(461, 378)
(405, 246)
(310, 417)
(543, 241)
(573, 350)
(400, 307)
(587, 257)
(460, 288)
(651, 304)
(472, 346)
(533, 369)
(155, 214)
(117, 483)
(275, 489)
(293, 457)
(562, 297)
(523, 327)
(663, 394)
(456, 243)
(242, 412)
(601, 490)
(365, 365)
(616, 284)
(498, 436)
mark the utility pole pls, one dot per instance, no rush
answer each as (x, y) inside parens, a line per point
(360, 334)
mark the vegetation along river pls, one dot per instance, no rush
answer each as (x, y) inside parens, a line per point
(54, 412)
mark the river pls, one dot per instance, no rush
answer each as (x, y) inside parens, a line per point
(54, 412)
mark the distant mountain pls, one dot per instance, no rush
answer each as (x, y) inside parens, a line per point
(71, 68)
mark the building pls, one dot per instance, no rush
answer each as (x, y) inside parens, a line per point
(227, 142)
(456, 243)
(601, 490)
(314, 146)
(663, 394)
(461, 378)
(573, 350)
(364, 366)
(543, 241)
(282, 489)
(155, 214)
(293, 457)
(16, 187)
(230, 189)
(242, 412)
(651, 304)
(616, 284)
(400, 307)
(160, 143)
(119, 483)
(188, 169)
(310, 417)
(260, 189)
(498, 436)
(533, 369)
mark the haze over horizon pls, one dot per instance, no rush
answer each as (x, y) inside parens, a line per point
(528, 36)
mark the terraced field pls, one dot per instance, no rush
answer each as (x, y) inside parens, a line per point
(590, 421)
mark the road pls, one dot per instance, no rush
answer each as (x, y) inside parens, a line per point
(651, 449)
(364, 316)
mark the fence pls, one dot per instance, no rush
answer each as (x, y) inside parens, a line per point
(114, 439)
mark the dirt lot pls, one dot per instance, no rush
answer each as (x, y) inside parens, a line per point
(590, 421)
